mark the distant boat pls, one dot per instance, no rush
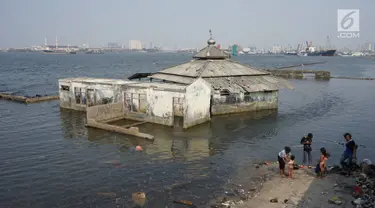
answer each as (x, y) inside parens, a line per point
(344, 54)
(357, 54)
(94, 52)
(291, 53)
(310, 53)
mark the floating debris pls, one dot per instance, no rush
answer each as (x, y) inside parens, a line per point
(138, 148)
(108, 194)
(139, 198)
(184, 202)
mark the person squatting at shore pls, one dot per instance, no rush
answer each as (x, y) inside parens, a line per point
(306, 141)
(283, 157)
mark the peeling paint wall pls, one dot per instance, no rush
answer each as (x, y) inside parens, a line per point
(240, 102)
(65, 95)
(105, 112)
(88, 94)
(197, 103)
(158, 104)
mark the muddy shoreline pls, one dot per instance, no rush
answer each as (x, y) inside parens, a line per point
(304, 190)
(246, 186)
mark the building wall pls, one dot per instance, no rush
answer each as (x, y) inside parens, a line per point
(235, 103)
(197, 103)
(105, 112)
(100, 94)
(155, 106)
(65, 95)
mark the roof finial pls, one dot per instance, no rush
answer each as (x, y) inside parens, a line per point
(211, 41)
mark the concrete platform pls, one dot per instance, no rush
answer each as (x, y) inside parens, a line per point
(129, 129)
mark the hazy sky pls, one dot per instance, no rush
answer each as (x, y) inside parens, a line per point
(179, 23)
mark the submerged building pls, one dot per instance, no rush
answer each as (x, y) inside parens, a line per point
(210, 84)
(235, 87)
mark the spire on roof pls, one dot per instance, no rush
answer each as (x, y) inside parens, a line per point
(211, 41)
(211, 51)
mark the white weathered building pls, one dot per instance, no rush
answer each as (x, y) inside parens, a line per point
(107, 99)
(82, 92)
(210, 84)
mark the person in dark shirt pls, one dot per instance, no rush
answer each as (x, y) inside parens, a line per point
(306, 141)
(349, 153)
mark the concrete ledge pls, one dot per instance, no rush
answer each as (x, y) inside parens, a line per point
(196, 122)
(221, 109)
(134, 131)
(23, 99)
(355, 78)
(168, 121)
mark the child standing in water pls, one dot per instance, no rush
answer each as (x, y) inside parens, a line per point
(291, 165)
(322, 165)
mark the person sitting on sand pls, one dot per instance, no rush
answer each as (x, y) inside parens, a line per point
(283, 157)
(291, 165)
(322, 164)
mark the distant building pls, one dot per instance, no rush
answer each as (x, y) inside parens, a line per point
(135, 45)
(113, 45)
(277, 49)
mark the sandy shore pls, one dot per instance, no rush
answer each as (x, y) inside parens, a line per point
(304, 190)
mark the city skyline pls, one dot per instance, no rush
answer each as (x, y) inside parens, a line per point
(184, 24)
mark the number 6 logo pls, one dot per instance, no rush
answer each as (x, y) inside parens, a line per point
(348, 20)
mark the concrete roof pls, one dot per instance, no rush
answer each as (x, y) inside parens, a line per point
(211, 68)
(159, 86)
(211, 52)
(249, 83)
(96, 80)
(223, 74)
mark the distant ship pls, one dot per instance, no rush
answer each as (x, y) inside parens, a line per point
(330, 52)
(58, 52)
(58, 49)
(312, 51)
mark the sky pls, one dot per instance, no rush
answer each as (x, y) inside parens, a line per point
(182, 24)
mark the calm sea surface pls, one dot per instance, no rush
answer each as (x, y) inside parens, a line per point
(49, 158)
